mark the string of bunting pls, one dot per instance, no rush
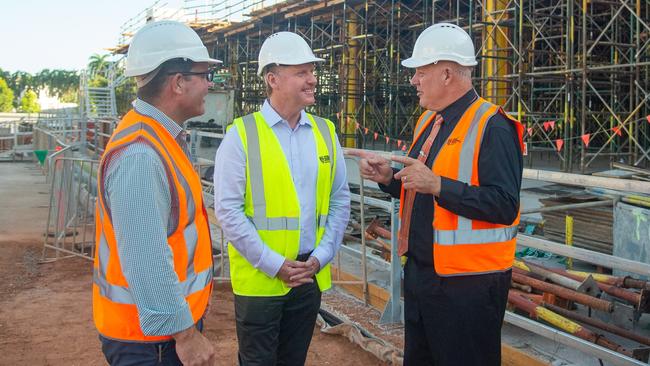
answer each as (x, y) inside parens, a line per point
(401, 144)
(528, 133)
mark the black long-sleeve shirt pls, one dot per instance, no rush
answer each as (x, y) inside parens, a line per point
(500, 168)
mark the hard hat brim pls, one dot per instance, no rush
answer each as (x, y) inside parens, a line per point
(290, 63)
(413, 62)
(143, 71)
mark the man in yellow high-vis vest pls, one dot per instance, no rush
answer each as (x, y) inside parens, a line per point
(282, 199)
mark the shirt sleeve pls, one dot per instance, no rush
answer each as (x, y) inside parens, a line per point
(229, 190)
(394, 187)
(339, 213)
(500, 168)
(140, 202)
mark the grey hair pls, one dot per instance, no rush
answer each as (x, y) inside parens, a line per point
(463, 71)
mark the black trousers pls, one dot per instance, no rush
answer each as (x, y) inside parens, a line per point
(453, 321)
(277, 330)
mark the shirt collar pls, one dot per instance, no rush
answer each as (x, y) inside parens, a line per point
(147, 109)
(272, 117)
(454, 110)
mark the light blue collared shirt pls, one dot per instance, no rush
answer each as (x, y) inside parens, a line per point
(300, 151)
(138, 193)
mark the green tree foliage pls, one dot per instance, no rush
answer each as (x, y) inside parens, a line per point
(97, 64)
(29, 102)
(98, 81)
(60, 83)
(124, 95)
(6, 96)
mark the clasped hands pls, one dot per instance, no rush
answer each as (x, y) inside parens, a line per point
(295, 273)
(414, 176)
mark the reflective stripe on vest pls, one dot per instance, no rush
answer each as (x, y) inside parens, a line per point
(464, 234)
(122, 295)
(189, 233)
(422, 123)
(260, 219)
(479, 236)
(271, 201)
(114, 309)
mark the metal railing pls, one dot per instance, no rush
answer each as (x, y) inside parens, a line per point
(16, 137)
(70, 228)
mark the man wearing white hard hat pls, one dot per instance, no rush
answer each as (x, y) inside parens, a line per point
(153, 260)
(283, 202)
(459, 213)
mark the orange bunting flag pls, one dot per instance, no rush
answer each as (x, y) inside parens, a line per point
(404, 147)
(530, 131)
(548, 125)
(365, 131)
(399, 143)
(559, 143)
(648, 118)
(387, 139)
(376, 135)
(585, 139)
(617, 130)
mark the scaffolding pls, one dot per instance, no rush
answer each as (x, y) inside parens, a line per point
(576, 73)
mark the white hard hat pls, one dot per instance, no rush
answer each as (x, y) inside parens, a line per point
(442, 42)
(285, 48)
(161, 41)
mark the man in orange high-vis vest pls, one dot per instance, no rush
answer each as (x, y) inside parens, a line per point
(459, 207)
(153, 272)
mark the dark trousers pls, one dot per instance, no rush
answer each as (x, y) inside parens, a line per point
(121, 353)
(276, 330)
(453, 321)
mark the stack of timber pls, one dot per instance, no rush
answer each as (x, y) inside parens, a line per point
(624, 171)
(592, 226)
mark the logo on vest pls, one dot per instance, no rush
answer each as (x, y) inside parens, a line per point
(325, 159)
(453, 141)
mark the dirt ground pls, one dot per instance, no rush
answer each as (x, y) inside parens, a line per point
(46, 310)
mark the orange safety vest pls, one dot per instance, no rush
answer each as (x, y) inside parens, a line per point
(114, 309)
(463, 246)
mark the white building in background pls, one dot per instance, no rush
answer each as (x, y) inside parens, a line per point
(49, 102)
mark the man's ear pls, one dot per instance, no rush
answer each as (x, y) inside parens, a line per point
(271, 79)
(447, 75)
(175, 83)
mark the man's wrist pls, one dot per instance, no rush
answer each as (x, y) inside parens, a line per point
(184, 334)
(316, 264)
(388, 179)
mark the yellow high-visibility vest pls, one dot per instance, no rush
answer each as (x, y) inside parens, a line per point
(271, 201)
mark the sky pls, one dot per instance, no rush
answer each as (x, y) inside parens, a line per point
(61, 34)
